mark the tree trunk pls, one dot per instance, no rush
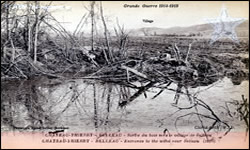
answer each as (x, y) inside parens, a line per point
(137, 94)
(92, 24)
(7, 21)
(36, 30)
(28, 27)
(106, 35)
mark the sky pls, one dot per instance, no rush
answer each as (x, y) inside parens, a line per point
(186, 14)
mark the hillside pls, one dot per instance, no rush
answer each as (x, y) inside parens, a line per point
(204, 29)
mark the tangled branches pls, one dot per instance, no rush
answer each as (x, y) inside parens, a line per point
(197, 105)
(238, 109)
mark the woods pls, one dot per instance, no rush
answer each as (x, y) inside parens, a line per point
(35, 44)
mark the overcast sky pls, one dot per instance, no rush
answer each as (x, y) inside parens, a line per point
(188, 13)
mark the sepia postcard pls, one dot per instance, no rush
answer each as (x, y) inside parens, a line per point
(124, 74)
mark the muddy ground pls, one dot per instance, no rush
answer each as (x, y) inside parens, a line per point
(223, 58)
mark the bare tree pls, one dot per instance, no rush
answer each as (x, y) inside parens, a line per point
(106, 35)
(37, 12)
(28, 27)
(122, 39)
(92, 13)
